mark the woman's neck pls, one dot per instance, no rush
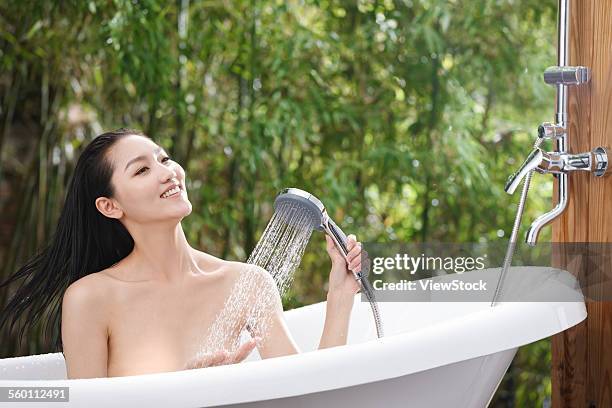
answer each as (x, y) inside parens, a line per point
(162, 253)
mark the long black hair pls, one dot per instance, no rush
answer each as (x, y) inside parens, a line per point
(84, 242)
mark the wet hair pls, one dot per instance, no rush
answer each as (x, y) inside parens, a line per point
(85, 241)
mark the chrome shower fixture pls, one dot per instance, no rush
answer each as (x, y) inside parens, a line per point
(559, 162)
(320, 220)
(314, 209)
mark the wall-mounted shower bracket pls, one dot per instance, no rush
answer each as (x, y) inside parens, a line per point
(549, 130)
(567, 75)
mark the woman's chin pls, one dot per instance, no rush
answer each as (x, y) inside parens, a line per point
(180, 212)
(187, 210)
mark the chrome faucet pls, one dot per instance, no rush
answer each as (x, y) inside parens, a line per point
(543, 162)
(559, 162)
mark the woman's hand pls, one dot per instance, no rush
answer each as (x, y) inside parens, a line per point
(223, 357)
(341, 278)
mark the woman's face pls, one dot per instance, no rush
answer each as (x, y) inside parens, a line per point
(142, 173)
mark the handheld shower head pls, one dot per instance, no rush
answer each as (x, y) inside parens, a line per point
(309, 204)
(315, 210)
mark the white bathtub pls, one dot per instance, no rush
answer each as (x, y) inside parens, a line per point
(435, 354)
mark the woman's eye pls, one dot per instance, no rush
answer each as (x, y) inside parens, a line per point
(163, 160)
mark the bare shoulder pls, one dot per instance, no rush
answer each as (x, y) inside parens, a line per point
(93, 286)
(254, 276)
(259, 282)
(90, 294)
(85, 328)
(246, 270)
(232, 269)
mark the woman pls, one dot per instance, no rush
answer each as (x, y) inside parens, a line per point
(134, 295)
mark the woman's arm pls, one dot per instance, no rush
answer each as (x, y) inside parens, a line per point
(268, 324)
(337, 316)
(341, 292)
(276, 340)
(84, 330)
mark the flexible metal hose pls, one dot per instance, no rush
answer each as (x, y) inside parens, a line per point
(369, 292)
(515, 230)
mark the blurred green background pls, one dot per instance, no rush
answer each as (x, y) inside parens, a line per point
(404, 117)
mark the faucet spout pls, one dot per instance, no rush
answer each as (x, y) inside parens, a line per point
(562, 198)
(533, 161)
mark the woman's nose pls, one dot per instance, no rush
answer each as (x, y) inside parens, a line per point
(169, 173)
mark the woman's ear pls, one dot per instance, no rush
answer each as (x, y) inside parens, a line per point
(108, 207)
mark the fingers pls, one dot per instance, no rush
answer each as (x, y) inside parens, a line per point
(330, 242)
(336, 256)
(351, 241)
(244, 350)
(224, 357)
(218, 358)
(355, 267)
(209, 360)
(354, 253)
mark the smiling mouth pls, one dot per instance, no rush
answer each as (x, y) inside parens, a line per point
(172, 192)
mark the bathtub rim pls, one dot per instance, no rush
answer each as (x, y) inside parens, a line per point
(320, 368)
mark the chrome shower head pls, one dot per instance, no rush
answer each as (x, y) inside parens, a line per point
(314, 208)
(307, 203)
(315, 211)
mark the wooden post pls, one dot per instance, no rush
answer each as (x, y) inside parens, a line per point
(582, 356)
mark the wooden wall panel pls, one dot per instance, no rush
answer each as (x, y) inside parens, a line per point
(582, 355)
